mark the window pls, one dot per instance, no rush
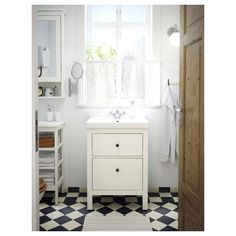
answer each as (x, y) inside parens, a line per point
(118, 67)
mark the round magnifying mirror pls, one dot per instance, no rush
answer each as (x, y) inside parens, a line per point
(77, 71)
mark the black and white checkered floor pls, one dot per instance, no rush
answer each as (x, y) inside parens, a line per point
(70, 212)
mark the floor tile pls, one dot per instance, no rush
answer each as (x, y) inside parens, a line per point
(59, 228)
(78, 206)
(162, 210)
(174, 224)
(155, 199)
(43, 219)
(168, 228)
(80, 228)
(62, 194)
(174, 194)
(60, 199)
(75, 214)
(154, 215)
(47, 210)
(170, 206)
(131, 199)
(72, 194)
(114, 206)
(172, 214)
(97, 205)
(81, 199)
(94, 213)
(152, 206)
(158, 225)
(70, 200)
(71, 225)
(116, 213)
(54, 215)
(106, 199)
(154, 194)
(49, 225)
(43, 205)
(165, 194)
(124, 210)
(66, 210)
(49, 194)
(104, 210)
(143, 212)
(176, 199)
(120, 200)
(166, 220)
(80, 220)
(167, 199)
(83, 194)
(60, 206)
(62, 220)
(133, 206)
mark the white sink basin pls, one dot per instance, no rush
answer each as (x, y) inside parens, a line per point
(107, 122)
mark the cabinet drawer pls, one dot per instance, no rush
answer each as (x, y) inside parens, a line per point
(117, 144)
(117, 174)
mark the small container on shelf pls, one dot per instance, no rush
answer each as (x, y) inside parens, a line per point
(46, 140)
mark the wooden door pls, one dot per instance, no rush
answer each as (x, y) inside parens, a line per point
(191, 164)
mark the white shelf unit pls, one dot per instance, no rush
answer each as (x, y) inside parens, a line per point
(57, 151)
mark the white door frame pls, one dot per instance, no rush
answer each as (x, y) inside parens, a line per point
(35, 177)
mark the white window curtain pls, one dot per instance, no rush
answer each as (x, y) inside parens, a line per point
(105, 83)
(100, 79)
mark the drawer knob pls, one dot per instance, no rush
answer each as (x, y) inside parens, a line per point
(117, 170)
(117, 145)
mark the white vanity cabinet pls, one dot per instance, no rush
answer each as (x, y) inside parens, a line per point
(117, 159)
(50, 51)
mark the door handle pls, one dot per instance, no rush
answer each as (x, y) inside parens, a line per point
(178, 109)
(36, 131)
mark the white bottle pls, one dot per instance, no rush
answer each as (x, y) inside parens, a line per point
(58, 115)
(49, 113)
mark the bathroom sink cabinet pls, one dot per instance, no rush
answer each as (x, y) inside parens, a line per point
(54, 152)
(117, 162)
(50, 50)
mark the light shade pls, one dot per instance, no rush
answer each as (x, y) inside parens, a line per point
(174, 36)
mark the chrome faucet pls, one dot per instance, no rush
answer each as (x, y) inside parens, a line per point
(117, 114)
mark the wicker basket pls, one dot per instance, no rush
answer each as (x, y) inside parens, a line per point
(46, 142)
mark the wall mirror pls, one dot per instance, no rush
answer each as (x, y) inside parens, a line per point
(77, 71)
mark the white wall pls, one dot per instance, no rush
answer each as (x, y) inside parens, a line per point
(160, 174)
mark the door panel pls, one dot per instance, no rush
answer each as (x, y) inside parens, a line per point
(193, 14)
(192, 114)
(191, 165)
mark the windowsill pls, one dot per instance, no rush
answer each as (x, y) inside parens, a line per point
(117, 107)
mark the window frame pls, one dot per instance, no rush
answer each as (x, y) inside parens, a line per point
(118, 25)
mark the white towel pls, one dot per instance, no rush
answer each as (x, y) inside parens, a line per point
(45, 160)
(170, 144)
